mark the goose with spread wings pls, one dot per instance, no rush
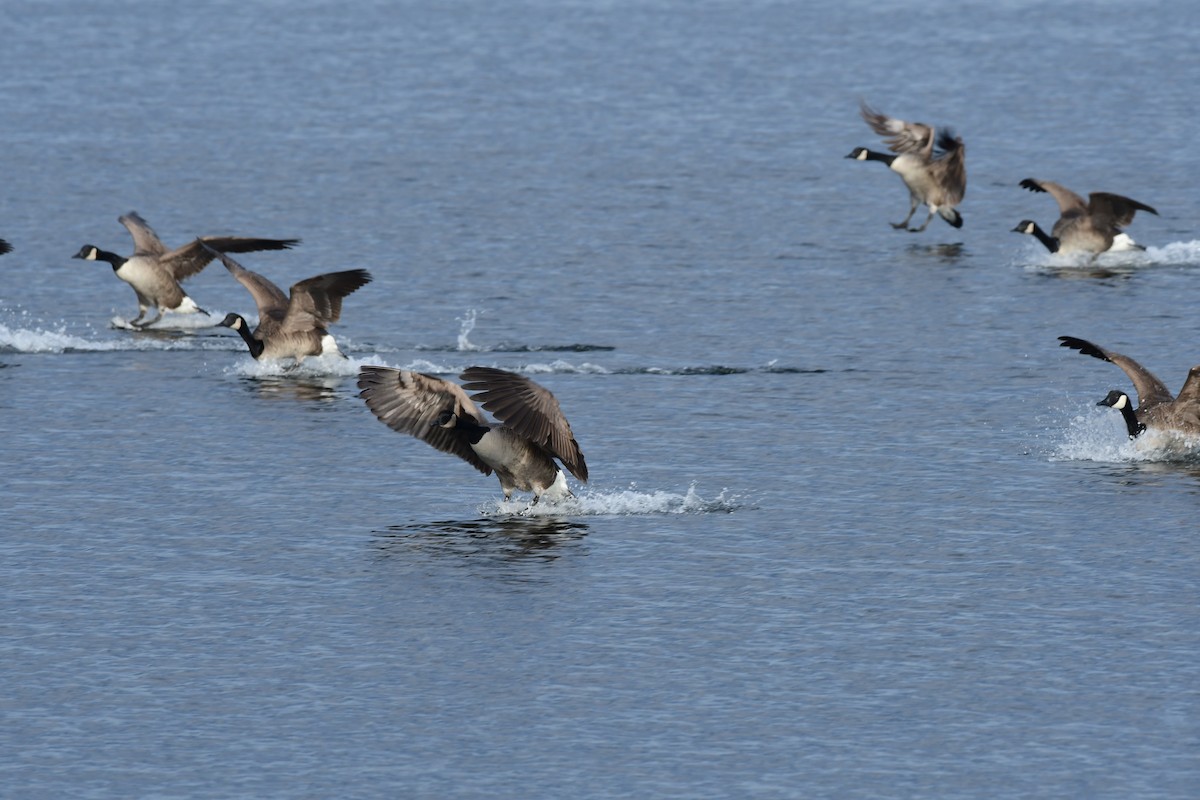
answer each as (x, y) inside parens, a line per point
(292, 325)
(1091, 226)
(931, 163)
(520, 451)
(1157, 407)
(154, 272)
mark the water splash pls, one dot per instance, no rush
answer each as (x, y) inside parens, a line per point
(467, 324)
(1099, 437)
(1114, 263)
(328, 366)
(627, 502)
(40, 340)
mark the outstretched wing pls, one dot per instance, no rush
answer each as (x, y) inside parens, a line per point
(145, 240)
(410, 402)
(272, 303)
(1114, 208)
(1066, 199)
(530, 410)
(186, 261)
(898, 135)
(317, 302)
(1150, 390)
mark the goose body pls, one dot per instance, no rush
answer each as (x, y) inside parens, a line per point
(154, 272)
(1091, 226)
(1157, 408)
(521, 450)
(931, 163)
(292, 325)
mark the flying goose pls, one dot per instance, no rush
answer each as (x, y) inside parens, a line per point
(1091, 227)
(521, 450)
(1157, 408)
(291, 327)
(155, 272)
(931, 163)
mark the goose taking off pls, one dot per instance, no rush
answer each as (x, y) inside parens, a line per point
(521, 450)
(1156, 408)
(292, 326)
(1091, 227)
(931, 163)
(155, 272)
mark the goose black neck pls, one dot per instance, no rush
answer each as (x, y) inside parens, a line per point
(1132, 426)
(886, 158)
(112, 258)
(470, 430)
(256, 346)
(1046, 239)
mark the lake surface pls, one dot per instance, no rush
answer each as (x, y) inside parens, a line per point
(855, 526)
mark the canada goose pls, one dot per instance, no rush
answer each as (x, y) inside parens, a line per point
(521, 451)
(291, 327)
(155, 272)
(935, 177)
(1157, 408)
(5, 247)
(1091, 227)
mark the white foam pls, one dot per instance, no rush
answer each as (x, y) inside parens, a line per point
(625, 502)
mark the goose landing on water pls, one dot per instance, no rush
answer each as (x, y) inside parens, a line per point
(932, 165)
(155, 272)
(292, 325)
(1157, 408)
(521, 451)
(1084, 227)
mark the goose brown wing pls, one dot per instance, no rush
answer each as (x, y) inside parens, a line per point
(1190, 393)
(186, 261)
(1066, 199)
(530, 410)
(317, 301)
(950, 168)
(272, 303)
(1114, 208)
(898, 135)
(1150, 390)
(145, 240)
(410, 402)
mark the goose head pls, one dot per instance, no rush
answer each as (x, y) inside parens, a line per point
(446, 419)
(234, 321)
(88, 252)
(1120, 401)
(1027, 226)
(858, 154)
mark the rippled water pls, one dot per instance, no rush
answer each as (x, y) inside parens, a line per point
(855, 525)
